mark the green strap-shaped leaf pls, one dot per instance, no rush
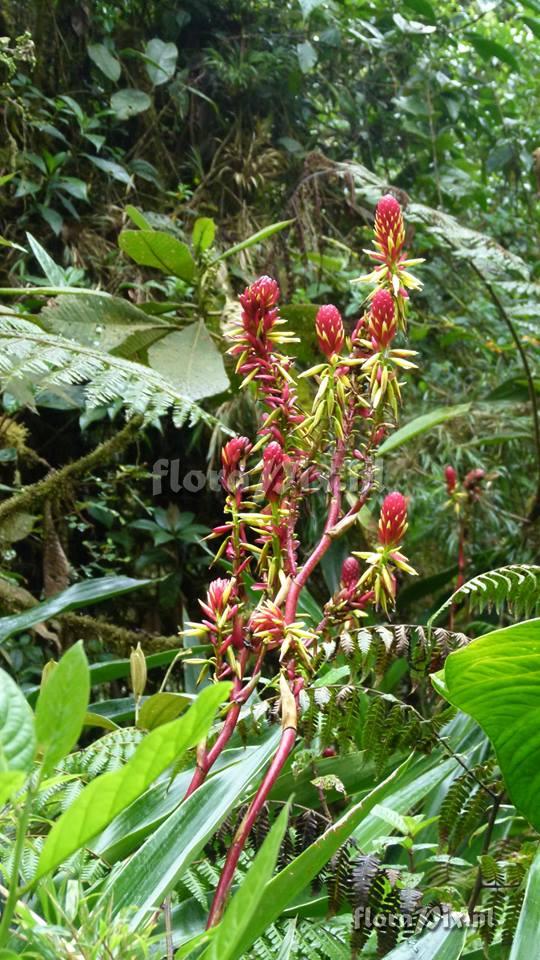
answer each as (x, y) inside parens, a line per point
(525, 943)
(62, 705)
(421, 425)
(110, 793)
(444, 942)
(227, 943)
(79, 595)
(496, 680)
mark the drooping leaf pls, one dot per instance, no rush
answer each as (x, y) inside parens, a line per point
(109, 794)
(496, 680)
(160, 60)
(162, 708)
(110, 323)
(489, 49)
(444, 942)
(61, 706)
(190, 360)
(105, 60)
(53, 273)
(412, 26)
(155, 248)
(79, 595)
(307, 56)
(129, 102)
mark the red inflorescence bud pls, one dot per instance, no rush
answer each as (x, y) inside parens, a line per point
(273, 472)
(350, 573)
(220, 607)
(393, 519)
(389, 228)
(267, 622)
(382, 320)
(330, 331)
(258, 302)
(450, 475)
(233, 459)
(473, 480)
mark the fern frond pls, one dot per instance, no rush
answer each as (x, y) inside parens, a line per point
(32, 361)
(517, 586)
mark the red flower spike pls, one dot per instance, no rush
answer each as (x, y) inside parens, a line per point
(382, 320)
(273, 472)
(450, 475)
(330, 331)
(393, 519)
(474, 478)
(233, 459)
(350, 573)
(390, 228)
(267, 622)
(258, 302)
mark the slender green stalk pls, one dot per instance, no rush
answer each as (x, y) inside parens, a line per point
(13, 891)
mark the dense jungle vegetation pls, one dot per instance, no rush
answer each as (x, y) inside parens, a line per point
(269, 479)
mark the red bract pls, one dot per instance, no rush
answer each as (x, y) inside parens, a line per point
(350, 572)
(393, 519)
(258, 302)
(267, 622)
(330, 331)
(450, 475)
(273, 473)
(389, 228)
(382, 320)
(233, 459)
(217, 609)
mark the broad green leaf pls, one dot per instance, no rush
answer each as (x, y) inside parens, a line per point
(254, 239)
(79, 595)
(158, 864)
(190, 361)
(285, 887)
(204, 232)
(490, 49)
(496, 680)
(127, 103)
(421, 425)
(105, 60)
(54, 274)
(110, 793)
(525, 943)
(444, 942)
(239, 914)
(107, 323)
(307, 56)
(162, 708)
(61, 706)
(10, 782)
(160, 60)
(155, 248)
(17, 736)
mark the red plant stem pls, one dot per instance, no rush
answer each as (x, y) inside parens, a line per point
(285, 747)
(314, 559)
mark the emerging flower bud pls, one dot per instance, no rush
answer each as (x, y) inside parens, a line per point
(218, 610)
(137, 666)
(389, 228)
(233, 459)
(350, 573)
(451, 477)
(382, 320)
(393, 519)
(273, 472)
(258, 302)
(267, 622)
(330, 331)
(472, 483)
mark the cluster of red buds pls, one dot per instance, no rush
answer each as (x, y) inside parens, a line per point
(466, 491)
(354, 403)
(392, 271)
